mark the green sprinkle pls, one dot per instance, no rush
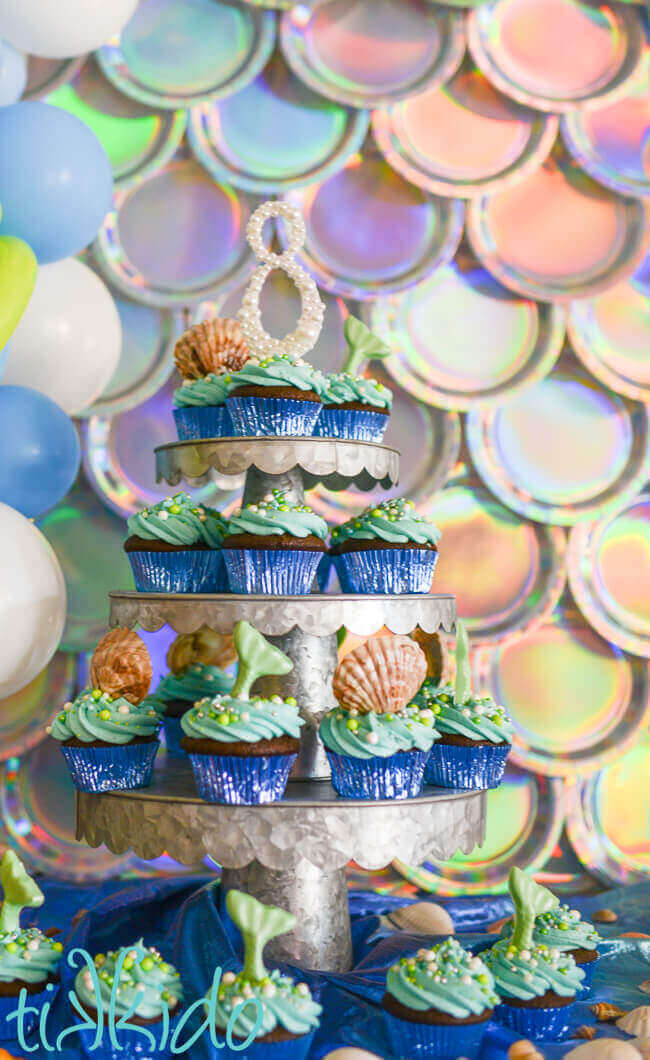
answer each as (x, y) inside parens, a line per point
(96, 694)
(223, 719)
(352, 724)
(146, 964)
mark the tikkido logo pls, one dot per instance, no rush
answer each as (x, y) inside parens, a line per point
(105, 1025)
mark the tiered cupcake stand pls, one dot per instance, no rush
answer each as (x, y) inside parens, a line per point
(291, 853)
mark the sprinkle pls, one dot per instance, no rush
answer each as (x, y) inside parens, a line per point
(228, 978)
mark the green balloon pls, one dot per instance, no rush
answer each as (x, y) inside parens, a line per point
(17, 278)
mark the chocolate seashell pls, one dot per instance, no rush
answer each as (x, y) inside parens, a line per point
(381, 675)
(216, 345)
(204, 646)
(121, 666)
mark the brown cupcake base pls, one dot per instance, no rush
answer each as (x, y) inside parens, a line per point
(279, 745)
(357, 406)
(278, 1034)
(548, 1000)
(431, 1015)
(138, 1021)
(252, 390)
(452, 739)
(362, 545)
(13, 988)
(275, 542)
(142, 544)
(74, 742)
(583, 956)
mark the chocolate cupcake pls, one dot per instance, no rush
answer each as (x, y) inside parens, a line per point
(355, 406)
(563, 929)
(275, 396)
(207, 356)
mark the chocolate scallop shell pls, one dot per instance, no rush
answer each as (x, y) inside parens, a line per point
(121, 666)
(204, 646)
(381, 675)
(216, 345)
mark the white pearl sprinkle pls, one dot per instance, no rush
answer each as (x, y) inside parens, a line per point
(33, 944)
(163, 515)
(123, 708)
(269, 990)
(372, 738)
(228, 977)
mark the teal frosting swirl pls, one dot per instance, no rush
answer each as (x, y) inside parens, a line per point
(447, 978)
(144, 972)
(563, 929)
(94, 715)
(209, 390)
(341, 387)
(372, 735)
(195, 682)
(284, 1004)
(279, 370)
(479, 718)
(526, 974)
(28, 955)
(179, 520)
(275, 515)
(228, 720)
(395, 521)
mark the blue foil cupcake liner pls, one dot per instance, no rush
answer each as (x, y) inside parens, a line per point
(276, 571)
(173, 735)
(589, 970)
(478, 766)
(189, 571)
(294, 1049)
(433, 1041)
(264, 417)
(133, 1044)
(240, 781)
(535, 1023)
(202, 421)
(9, 1028)
(118, 768)
(387, 570)
(364, 426)
(397, 777)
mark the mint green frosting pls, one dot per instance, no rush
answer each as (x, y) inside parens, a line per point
(226, 719)
(209, 390)
(395, 521)
(371, 735)
(278, 370)
(478, 718)
(341, 387)
(29, 955)
(529, 973)
(284, 1004)
(179, 520)
(94, 715)
(563, 929)
(143, 972)
(445, 977)
(195, 682)
(276, 515)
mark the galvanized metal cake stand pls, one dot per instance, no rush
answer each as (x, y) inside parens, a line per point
(291, 853)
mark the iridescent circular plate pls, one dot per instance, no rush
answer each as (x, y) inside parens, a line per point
(24, 715)
(609, 573)
(370, 53)
(138, 140)
(45, 75)
(464, 138)
(37, 804)
(611, 334)
(275, 134)
(370, 232)
(613, 142)
(523, 824)
(507, 573)
(175, 53)
(607, 817)
(557, 234)
(556, 55)
(460, 339)
(175, 238)
(563, 451)
(577, 701)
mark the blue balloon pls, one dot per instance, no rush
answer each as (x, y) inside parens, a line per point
(40, 451)
(56, 182)
(13, 73)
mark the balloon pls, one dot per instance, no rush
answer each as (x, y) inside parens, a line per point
(40, 451)
(56, 29)
(17, 278)
(69, 340)
(56, 182)
(13, 74)
(4, 357)
(32, 601)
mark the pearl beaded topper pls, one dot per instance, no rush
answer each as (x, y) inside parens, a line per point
(304, 336)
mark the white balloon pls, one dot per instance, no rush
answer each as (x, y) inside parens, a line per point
(32, 601)
(56, 29)
(69, 339)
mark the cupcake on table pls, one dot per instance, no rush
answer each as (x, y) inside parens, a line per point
(355, 406)
(377, 746)
(389, 548)
(242, 747)
(109, 733)
(563, 929)
(274, 546)
(175, 547)
(29, 959)
(195, 662)
(281, 1018)
(438, 1003)
(537, 983)
(476, 734)
(207, 356)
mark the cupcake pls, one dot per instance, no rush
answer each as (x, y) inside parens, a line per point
(207, 356)
(355, 406)
(537, 983)
(377, 747)
(109, 733)
(438, 1003)
(175, 547)
(387, 549)
(242, 747)
(274, 546)
(29, 959)
(149, 992)
(476, 734)
(563, 929)
(275, 396)
(287, 1014)
(194, 673)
